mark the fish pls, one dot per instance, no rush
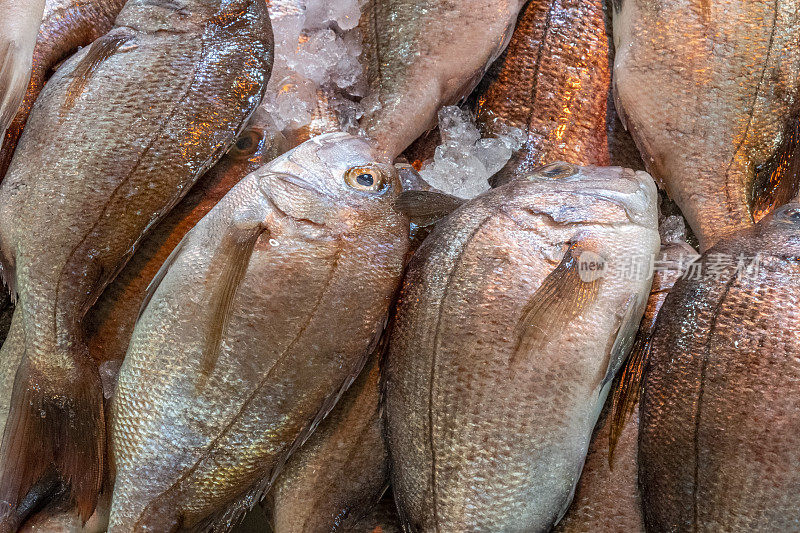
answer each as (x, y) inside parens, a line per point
(719, 408)
(65, 26)
(123, 129)
(607, 497)
(342, 471)
(520, 288)
(709, 90)
(422, 55)
(262, 317)
(18, 26)
(552, 82)
(110, 322)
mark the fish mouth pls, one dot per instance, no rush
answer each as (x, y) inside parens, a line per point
(291, 197)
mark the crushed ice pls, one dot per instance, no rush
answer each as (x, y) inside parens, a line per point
(317, 48)
(464, 162)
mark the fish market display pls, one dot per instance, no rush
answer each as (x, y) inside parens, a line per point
(65, 26)
(709, 91)
(420, 55)
(339, 474)
(607, 496)
(109, 324)
(553, 83)
(495, 301)
(720, 407)
(116, 137)
(263, 315)
(19, 22)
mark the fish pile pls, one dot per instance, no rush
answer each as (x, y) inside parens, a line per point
(399, 265)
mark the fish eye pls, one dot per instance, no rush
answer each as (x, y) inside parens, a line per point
(790, 213)
(247, 144)
(365, 178)
(556, 170)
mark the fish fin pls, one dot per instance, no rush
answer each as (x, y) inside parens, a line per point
(99, 52)
(626, 393)
(426, 207)
(13, 82)
(623, 341)
(560, 298)
(54, 428)
(777, 181)
(233, 257)
(159, 277)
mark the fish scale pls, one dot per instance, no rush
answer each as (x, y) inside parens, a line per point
(124, 127)
(717, 437)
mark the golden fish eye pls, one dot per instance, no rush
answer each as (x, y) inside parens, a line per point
(247, 144)
(364, 178)
(789, 213)
(556, 170)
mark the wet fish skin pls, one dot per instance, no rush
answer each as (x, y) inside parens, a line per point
(552, 83)
(709, 92)
(109, 324)
(19, 20)
(339, 474)
(607, 496)
(65, 26)
(422, 55)
(123, 129)
(717, 435)
(317, 248)
(468, 452)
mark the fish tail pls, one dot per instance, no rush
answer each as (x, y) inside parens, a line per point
(55, 429)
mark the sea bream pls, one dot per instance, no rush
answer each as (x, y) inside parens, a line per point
(709, 91)
(65, 26)
(718, 439)
(422, 55)
(552, 82)
(263, 315)
(123, 129)
(514, 316)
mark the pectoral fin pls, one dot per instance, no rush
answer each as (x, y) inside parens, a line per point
(562, 296)
(426, 207)
(231, 259)
(98, 53)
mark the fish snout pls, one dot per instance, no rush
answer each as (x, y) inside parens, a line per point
(292, 196)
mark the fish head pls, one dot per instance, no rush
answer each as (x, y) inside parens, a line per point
(334, 182)
(572, 194)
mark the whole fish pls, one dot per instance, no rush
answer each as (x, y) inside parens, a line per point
(124, 128)
(110, 322)
(514, 291)
(607, 496)
(339, 474)
(263, 315)
(422, 55)
(65, 26)
(551, 83)
(19, 22)
(709, 91)
(721, 403)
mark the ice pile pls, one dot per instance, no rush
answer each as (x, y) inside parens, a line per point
(464, 162)
(317, 46)
(672, 229)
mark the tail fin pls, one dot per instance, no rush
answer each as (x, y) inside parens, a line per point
(55, 426)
